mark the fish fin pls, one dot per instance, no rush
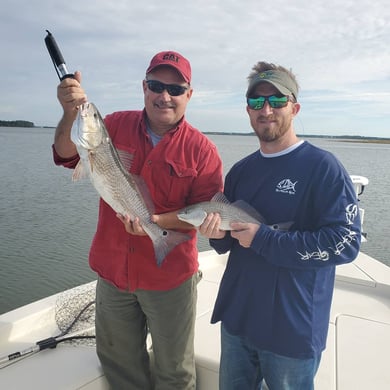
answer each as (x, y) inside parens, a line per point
(220, 197)
(79, 172)
(241, 204)
(90, 159)
(166, 242)
(144, 192)
(126, 158)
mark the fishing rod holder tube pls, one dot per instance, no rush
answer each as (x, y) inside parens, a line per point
(56, 57)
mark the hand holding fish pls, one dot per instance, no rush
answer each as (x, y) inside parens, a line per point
(109, 172)
(71, 95)
(165, 221)
(244, 232)
(132, 227)
(210, 227)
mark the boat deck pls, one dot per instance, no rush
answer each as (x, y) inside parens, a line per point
(356, 356)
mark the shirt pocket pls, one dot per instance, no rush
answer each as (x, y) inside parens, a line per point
(176, 184)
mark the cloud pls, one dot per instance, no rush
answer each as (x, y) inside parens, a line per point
(338, 51)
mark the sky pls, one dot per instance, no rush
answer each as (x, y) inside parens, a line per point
(338, 50)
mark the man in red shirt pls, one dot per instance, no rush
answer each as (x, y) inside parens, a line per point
(180, 166)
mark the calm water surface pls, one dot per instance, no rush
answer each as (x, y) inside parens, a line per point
(47, 222)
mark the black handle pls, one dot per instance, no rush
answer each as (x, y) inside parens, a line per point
(56, 56)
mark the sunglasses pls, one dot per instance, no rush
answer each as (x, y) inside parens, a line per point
(275, 101)
(159, 87)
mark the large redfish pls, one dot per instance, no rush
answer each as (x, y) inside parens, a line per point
(108, 170)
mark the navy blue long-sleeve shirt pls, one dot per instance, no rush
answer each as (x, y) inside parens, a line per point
(278, 292)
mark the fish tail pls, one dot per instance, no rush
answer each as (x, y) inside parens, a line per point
(166, 242)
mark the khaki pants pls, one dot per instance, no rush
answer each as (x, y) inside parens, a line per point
(122, 322)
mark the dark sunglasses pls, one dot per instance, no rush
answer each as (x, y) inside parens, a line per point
(275, 101)
(159, 87)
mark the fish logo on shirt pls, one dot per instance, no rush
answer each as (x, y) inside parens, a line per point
(351, 213)
(286, 186)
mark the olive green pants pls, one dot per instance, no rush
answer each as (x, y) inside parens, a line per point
(123, 320)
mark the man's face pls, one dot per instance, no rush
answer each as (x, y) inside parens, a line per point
(271, 124)
(163, 110)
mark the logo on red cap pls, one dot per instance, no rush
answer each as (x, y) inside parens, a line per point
(171, 57)
(174, 59)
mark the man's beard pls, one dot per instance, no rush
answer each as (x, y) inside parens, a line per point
(273, 133)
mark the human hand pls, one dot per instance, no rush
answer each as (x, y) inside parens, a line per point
(169, 220)
(70, 93)
(132, 227)
(210, 227)
(244, 232)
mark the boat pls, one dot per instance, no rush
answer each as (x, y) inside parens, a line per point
(33, 353)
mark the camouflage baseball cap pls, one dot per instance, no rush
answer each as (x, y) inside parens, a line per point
(279, 79)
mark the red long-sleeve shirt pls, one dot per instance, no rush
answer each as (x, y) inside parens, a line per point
(183, 168)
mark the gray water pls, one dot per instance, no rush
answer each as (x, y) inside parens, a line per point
(47, 222)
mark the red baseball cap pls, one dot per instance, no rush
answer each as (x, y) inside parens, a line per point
(173, 59)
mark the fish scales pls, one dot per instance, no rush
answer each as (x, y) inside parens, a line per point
(238, 211)
(122, 190)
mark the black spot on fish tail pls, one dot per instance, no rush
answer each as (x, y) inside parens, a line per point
(167, 241)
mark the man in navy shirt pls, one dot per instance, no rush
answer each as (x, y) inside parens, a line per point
(275, 296)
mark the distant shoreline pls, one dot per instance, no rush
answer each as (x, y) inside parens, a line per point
(367, 141)
(17, 123)
(343, 138)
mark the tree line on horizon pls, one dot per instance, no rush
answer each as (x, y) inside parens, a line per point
(329, 136)
(17, 123)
